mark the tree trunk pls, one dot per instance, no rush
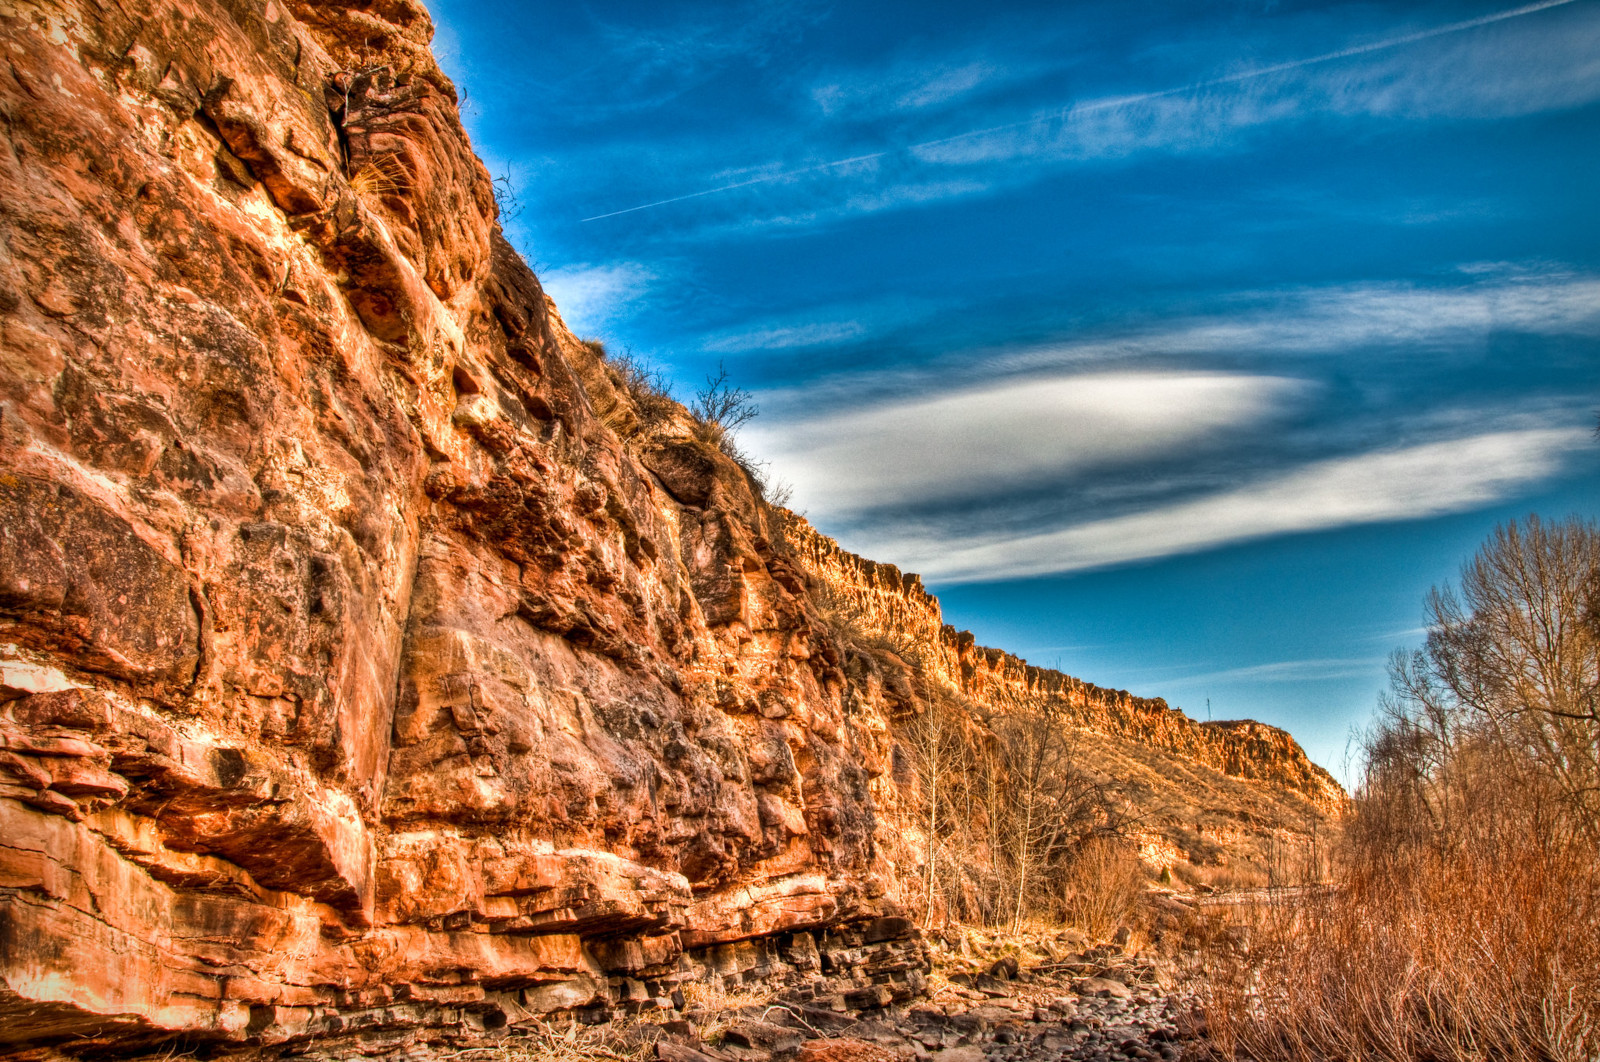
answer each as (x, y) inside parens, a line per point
(933, 816)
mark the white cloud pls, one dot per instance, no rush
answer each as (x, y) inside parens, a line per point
(1521, 66)
(946, 85)
(823, 325)
(913, 84)
(1513, 62)
(1430, 479)
(814, 334)
(965, 442)
(1311, 670)
(592, 296)
(642, 65)
(1339, 319)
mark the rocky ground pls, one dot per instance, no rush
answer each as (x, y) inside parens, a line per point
(1053, 998)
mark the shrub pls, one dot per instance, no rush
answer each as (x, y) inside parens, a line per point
(646, 385)
(720, 409)
(1465, 922)
(1102, 885)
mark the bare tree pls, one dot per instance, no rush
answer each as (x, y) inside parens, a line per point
(1034, 752)
(1050, 807)
(1466, 922)
(937, 742)
(721, 407)
(1513, 659)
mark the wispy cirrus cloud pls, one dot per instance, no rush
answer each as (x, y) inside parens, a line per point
(645, 64)
(1450, 318)
(1346, 318)
(1431, 479)
(785, 337)
(1069, 456)
(1516, 61)
(1445, 71)
(593, 296)
(826, 325)
(915, 84)
(1315, 669)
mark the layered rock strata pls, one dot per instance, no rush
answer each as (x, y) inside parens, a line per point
(367, 664)
(896, 609)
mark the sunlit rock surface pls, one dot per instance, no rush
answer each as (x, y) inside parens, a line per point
(365, 666)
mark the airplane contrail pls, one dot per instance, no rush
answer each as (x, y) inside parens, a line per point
(1121, 101)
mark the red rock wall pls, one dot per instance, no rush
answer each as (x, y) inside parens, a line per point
(355, 676)
(893, 605)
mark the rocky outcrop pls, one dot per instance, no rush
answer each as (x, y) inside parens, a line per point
(894, 608)
(365, 667)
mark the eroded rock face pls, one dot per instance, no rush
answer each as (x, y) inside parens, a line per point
(355, 676)
(894, 606)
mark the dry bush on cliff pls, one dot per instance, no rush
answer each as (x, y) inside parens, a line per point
(1466, 922)
(645, 385)
(381, 175)
(719, 410)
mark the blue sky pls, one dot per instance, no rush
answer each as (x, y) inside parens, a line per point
(1181, 346)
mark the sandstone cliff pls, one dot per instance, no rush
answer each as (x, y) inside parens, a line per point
(364, 665)
(895, 606)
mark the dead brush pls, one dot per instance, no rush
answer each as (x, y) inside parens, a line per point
(721, 1005)
(647, 387)
(1473, 944)
(1102, 886)
(1464, 925)
(1466, 961)
(381, 175)
(545, 1041)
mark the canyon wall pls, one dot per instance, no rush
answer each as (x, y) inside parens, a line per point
(895, 607)
(368, 662)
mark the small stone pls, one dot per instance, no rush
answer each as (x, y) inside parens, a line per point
(843, 1050)
(680, 1029)
(991, 986)
(1006, 967)
(966, 1053)
(762, 1036)
(1104, 988)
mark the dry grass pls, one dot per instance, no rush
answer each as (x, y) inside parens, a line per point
(381, 175)
(1220, 879)
(1465, 922)
(1102, 887)
(722, 1006)
(650, 404)
(1474, 955)
(572, 1041)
